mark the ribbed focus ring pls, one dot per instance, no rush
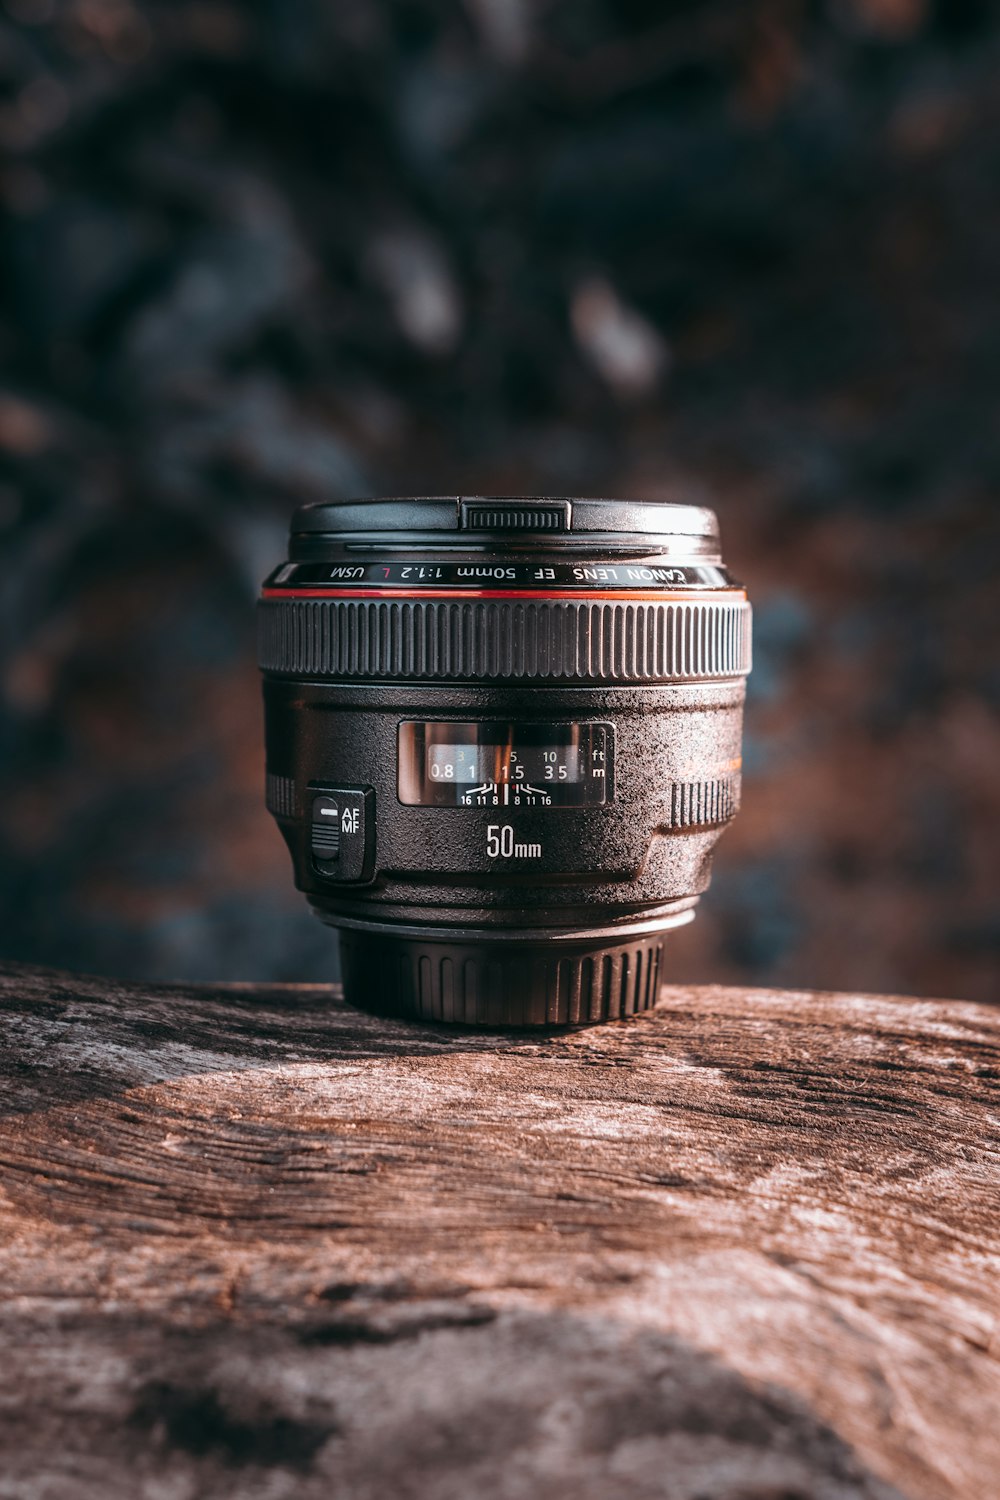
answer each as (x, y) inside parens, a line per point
(697, 804)
(583, 640)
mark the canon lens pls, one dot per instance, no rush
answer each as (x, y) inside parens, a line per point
(503, 737)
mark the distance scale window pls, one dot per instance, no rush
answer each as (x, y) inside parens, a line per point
(505, 765)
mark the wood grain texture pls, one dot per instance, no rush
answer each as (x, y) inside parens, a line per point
(255, 1244)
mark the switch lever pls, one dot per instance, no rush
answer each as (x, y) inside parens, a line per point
(342, 833)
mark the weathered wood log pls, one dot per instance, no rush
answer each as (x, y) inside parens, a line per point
(256, 1244)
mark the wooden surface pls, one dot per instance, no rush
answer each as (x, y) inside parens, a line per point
(255, 1244)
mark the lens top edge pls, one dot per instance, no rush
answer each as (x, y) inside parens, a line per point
(505, 514)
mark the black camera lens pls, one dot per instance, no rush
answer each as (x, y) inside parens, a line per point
(503, 737)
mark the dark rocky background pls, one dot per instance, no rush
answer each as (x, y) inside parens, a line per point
(261, 252)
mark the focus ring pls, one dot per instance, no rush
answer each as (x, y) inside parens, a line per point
(584, 640)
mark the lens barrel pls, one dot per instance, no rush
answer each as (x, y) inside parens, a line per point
(503, 738)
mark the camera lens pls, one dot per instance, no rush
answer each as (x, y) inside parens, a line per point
(503, 738)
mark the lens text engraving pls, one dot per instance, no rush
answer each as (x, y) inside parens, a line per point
(501, 843)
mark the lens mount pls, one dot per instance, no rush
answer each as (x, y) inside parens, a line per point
(482, 982)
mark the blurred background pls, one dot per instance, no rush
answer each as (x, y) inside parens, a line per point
(258, 253)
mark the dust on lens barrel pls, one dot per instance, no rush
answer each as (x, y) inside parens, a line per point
(503, 738)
